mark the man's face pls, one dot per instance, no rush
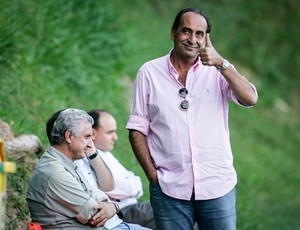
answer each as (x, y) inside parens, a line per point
(189, 38)
(79, 145)
(105, 135)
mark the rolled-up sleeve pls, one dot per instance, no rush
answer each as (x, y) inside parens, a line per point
(86, 212)
(138, 123)
(139, 118)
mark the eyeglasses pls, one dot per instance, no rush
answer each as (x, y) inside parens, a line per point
(184, 105)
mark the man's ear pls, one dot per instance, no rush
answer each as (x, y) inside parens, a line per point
(172, 33)
(68, 136)
(93, 133)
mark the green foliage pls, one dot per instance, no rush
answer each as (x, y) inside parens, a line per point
(85, 54)
(17, 213)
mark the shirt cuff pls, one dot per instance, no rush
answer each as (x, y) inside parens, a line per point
(138, 123)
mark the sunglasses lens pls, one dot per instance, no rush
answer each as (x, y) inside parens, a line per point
(184, 105)
(183, 92)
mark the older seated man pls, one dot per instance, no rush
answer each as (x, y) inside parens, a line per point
(58, 195)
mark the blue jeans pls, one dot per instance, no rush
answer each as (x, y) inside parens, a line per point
(214, 214)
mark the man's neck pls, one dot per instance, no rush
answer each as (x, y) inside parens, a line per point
(181, 64)
(64, 150)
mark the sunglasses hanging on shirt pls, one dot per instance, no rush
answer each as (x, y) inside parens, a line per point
(184, 105)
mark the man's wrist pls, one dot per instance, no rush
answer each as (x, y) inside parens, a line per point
(92, 156)
(117, 207)
(224, 65)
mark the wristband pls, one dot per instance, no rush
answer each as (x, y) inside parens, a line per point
(91, 157)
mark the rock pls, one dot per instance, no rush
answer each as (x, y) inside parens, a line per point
(5, 131)
(21, 145)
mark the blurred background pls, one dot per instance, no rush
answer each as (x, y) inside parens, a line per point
(85, 54)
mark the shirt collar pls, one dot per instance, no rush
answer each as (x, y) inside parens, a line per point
(172, 69)
(61, 157)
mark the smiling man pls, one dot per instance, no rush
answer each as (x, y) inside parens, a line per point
(178, 128)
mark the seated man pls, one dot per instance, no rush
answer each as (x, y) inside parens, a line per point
(58, 195)
(128, 186)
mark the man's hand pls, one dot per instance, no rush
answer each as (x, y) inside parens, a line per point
(209, 56)
(91, 149)
(104, 211)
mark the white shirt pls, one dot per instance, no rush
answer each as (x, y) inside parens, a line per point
(128, 186)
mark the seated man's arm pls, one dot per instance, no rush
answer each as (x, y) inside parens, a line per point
(74, 199)
(104, 176)
(104, 211)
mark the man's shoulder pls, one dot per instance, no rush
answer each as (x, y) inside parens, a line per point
(49, 166)
(160, 61)
(108, 157)
(46, 171)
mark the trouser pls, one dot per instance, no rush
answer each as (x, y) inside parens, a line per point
(214, 214)
(140, 213)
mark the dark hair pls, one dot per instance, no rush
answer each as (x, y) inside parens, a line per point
(95, 114)
(177, 19)
(50, 123)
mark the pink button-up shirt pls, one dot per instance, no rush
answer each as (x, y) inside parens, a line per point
(191, 149)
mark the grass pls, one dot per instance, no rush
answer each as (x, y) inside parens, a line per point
(267, 171)
(85, 54)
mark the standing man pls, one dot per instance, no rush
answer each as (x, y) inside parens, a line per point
(178, 128)
(58, 195)
(128, 186)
